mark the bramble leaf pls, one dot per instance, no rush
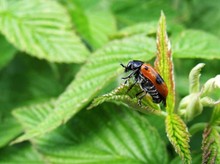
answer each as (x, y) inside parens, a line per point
(211, 146)
(42, 29)
(101, 68)
(178, 135)
(140, 28)
(23, 153)
(86, 139)
(120, 94)
(163, 62)
(13, 129)
(7, 52)
(196, 44)
(93, 22)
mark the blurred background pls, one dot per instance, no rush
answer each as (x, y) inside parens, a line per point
(26, 78)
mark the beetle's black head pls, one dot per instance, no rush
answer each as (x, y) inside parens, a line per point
(132, 65)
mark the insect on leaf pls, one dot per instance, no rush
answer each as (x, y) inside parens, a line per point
(100, 69)
(119, 95)
(163, 62)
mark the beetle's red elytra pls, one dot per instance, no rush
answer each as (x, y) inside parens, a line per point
(148, 79)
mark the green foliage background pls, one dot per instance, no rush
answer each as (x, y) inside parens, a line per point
(57, 56)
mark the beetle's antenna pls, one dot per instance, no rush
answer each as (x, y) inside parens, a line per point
(122, 65)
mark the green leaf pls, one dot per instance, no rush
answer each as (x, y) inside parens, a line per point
(9, 129)
(140, 28)
(163, 62)
(145, 28)
(7, 52)
(42, 29)
(120, 94)
(178, 135)
(94, 23)
(211, 146)
(101, 68)
(129, 12)
(196, 44)
(107, 135)
(212, 16)
(196, 159)
(215, 120)
(22, 153)
(30, 116)
(194, 76)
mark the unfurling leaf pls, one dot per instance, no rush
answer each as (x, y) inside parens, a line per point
(211, 146)
(194, 76)
(120, 94)
(190, 106)
(211, 85)
(163, 63)
(178, 135)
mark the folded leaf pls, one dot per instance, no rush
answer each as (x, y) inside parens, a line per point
(194, 76)
(163, 62)
(178, 135)
(120, 94)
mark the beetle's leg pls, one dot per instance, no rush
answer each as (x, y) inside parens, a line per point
(132, 85)
(130, 75)
(139, 93)
(141, 97)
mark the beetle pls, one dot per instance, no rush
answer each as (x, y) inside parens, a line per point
(148, 79)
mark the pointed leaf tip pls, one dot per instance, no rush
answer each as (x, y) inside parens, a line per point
(163, 62)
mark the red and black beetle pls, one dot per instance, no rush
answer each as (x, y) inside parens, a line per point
(148, 79)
